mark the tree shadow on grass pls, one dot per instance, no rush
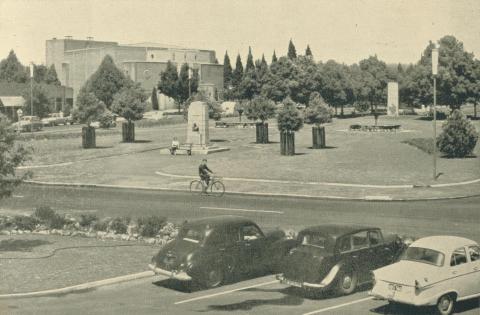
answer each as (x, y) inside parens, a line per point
(219, 140)
(12, 245)
(181, 286)
(100, 147)
(142, 141)
(471, 156)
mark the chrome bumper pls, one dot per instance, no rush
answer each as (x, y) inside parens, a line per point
(283, 280)
(179, 275)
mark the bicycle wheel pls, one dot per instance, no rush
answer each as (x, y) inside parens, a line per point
(217, 188)
(196, 186)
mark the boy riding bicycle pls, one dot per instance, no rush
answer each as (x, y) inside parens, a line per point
(204, 172)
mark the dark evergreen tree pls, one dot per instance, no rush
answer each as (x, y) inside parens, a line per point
(11, 70)
(237, 76)
(249, 66)
(40, 73)
(292, 53)
(168, 81)
(227, 71)
(154, 99)
(274, 57)
(308, 52)
(51, 76)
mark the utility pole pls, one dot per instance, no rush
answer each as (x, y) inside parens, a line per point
(31, 95)
(435, 72)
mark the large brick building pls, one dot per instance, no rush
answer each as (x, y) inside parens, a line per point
(76, 60)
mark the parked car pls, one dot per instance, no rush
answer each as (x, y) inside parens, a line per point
(435, 270)
(54, 119)
(337, 258)
(213, 250)
(153, 115)
(28, 123)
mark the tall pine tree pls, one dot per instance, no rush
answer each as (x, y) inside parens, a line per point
(51, 76)
(274, 57)
(227, 71)
(11, 70)
(249, 66)
(237, 74)
(292, 53)
(308, 52)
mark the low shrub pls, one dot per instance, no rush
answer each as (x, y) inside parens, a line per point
(459, 136)
(23, 222)
(150, 226)
(145, 123)
(56, 222)
(44, 213)
(120, 225)
(86, 220)
(101, 225)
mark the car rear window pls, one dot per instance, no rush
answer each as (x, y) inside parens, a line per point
(316, 240)
(424, 255)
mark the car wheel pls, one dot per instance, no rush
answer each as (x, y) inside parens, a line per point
(213, 278)
(347, 281)
(445, 304)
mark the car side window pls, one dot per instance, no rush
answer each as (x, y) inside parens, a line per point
(250, 233)
(360, 240)
(344, 244)
(459, 256)
(474, 252)
(374, 238)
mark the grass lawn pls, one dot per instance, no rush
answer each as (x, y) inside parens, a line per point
(351, 157)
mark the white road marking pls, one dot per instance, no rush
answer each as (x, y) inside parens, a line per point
(225, 292)
(17, 196)
(244, 210)
(339, 306)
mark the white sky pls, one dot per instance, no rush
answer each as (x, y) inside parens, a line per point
(347, 31)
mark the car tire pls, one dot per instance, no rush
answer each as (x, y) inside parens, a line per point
(213, 278)
(445, 304)
(347, 281)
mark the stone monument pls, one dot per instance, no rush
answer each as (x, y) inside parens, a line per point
(197, 129)
(392, 101)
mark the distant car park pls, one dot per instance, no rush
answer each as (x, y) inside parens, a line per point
(28, 123)
(54, 119)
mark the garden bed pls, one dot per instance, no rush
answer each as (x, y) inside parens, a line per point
(374, 128)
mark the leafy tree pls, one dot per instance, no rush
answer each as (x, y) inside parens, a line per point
(261, 68)
(51, 77)
(274, 57)
(288, 117)
(373, 82)
(106, 81)
(336, 86)
(259, 108)
(459, 136)
(89, 108)
(154, 99)
(227, 72)
(317, 112)
(169, 81)
(248, 86)
(40, 73)
(12, 155)
(11, 70)
(130, 103)
(307, 79)
(41, 101)
(185, 86)
(281, 81)
(308, 52)
(292, 53)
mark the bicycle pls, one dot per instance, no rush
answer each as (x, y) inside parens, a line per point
(217, 188)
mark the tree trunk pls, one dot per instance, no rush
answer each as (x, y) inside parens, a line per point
(475, 110)
(88, 137)
(287, 143)
(128, 131)
(341, 110)
(318, 137)
(261, 132)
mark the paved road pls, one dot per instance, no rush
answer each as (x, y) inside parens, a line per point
(252, 296)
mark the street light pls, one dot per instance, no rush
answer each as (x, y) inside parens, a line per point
(435, 72)
(31, 94)
(190, 74)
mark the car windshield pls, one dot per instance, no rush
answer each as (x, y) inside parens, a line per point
(193, 234)
(313, 239)
(425, 255)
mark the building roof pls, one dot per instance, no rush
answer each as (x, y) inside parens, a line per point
(12, 101)
(442, 243)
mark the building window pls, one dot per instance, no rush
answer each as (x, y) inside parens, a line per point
(152, 56)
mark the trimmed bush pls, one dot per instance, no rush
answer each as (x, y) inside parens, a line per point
(150, 226)
(101, 225)
(120, 225)
(86, 220)
(25, 222)
(459, 136)
(56, 222)
(106, 120)
(44, 213)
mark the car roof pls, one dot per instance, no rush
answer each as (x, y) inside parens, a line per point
(443, 243)
(219, 221)
(337, 230)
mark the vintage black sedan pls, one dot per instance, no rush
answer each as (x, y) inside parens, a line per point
(213, 250)
(337, 257)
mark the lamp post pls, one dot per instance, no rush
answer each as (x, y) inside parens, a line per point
(190, 74)
(31, 95)
(435, 72)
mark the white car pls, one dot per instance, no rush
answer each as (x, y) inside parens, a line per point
(435, 270)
